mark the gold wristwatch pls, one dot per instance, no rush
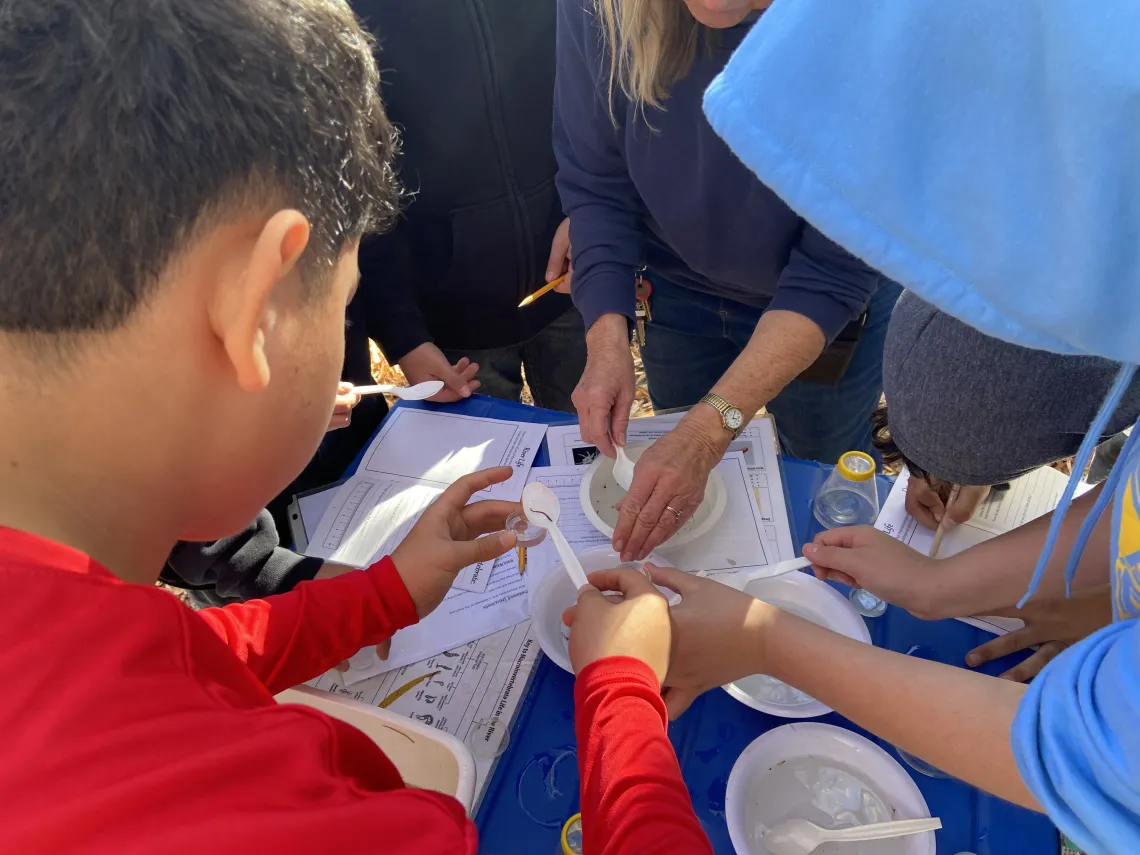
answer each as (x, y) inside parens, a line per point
(731, 416)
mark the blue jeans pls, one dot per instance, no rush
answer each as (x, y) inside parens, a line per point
(694, 337)
(553, 361)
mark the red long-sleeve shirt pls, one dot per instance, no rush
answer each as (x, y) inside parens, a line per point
(132, 725)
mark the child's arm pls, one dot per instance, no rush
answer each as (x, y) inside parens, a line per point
(633, 797)
(294, 637)
(290, 638)
(990, 576)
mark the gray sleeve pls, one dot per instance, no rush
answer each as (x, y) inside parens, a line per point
(247, 566)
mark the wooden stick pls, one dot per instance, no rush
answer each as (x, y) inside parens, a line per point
(941, 532)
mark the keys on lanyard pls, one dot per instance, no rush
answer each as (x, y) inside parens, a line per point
(642, 291)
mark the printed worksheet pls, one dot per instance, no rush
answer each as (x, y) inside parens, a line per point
(462, 617)
(471, 691)
(757, 443)
(735, 543)
(1027, 498)
(440, 448)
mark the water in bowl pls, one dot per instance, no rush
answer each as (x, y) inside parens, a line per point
(824, 792)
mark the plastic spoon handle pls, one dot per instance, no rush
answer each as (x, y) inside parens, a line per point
(569, 559)
(779, 570)
(881, 830)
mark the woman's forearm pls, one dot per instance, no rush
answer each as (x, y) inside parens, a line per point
(995, 574)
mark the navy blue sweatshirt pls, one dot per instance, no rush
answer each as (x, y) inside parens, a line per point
(673, 196)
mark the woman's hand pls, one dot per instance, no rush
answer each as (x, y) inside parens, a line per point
(864, 557)
(560, 261)
(637, 625)
(447, 538)
(1051, 625)
(427, 362)
(604, 395)
(668, 485)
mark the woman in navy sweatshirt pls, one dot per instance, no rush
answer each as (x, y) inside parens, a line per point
(746, 296)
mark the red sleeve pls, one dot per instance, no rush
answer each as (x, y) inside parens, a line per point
(633, 798)
(290, 638)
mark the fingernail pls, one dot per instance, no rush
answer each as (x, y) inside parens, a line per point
(382, 656)
(550, 274)
(465, 391)
(626, 557)
(507, 539)
(972, 660)
(618, 546)
(809, 549)
(937, 517)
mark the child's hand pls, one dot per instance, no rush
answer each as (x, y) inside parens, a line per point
(926, 505)
(864, 557)
(346, 400)
(636, 625)
(716, 636)
(447, 538)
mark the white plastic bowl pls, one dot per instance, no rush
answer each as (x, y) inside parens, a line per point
(766, 787)
(600, 493)
(806, 596)
(556, 593)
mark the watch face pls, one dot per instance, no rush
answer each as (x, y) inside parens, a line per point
(734, 419)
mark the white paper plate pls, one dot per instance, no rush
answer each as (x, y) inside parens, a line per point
(600, 494)
(556, 593)
(806, 596)
(856, 783)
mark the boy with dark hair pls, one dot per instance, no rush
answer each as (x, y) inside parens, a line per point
(183, 192)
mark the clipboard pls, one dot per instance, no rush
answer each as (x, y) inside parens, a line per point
(309, 505)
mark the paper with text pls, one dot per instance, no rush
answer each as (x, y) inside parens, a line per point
(440, 448)
(735, 543)
(471, 691)
(1027, 498)
(757, 443)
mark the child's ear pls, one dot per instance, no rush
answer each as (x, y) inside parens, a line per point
(243, 315)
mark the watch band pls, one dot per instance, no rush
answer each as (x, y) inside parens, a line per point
(724, 407)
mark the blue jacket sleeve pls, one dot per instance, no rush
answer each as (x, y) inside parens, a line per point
(597, 193)
(824, 282)
(1077, 741)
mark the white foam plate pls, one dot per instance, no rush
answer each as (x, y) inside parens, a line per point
(827, 775)
(556, 593)
(806, 596)
(600, 493)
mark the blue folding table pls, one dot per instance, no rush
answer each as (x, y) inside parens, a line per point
(535, 786)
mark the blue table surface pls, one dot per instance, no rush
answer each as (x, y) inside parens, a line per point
(535, 786)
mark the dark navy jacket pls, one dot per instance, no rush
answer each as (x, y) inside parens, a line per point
(671, 195)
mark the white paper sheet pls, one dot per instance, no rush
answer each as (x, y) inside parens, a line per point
(368, 517)
(734, 544)
(472, 691)
(1028, 497)
(439, 448)
(757, 443)
(461, 617)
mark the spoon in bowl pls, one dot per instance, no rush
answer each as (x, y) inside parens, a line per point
(800, 837)
(542, 508)
(419, 392)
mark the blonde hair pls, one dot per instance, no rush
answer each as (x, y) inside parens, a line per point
(651, 46)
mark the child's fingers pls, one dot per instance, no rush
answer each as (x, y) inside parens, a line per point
(487, 516)
(630, 583)
(675, 580)
(842, 558)
(486, 548)
(1003, 645)
(1033, 666)
(459, 494)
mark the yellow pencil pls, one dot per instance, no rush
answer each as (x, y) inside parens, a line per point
(545, 289)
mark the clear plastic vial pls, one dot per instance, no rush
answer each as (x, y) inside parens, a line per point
(849, 497)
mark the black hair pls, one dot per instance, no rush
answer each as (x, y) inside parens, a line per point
(894, 459)
(127, 127)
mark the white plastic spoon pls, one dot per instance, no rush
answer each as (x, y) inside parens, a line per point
(542, 508)
(800, 837)
(623, 468)
(740, 581)
(419, 392)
